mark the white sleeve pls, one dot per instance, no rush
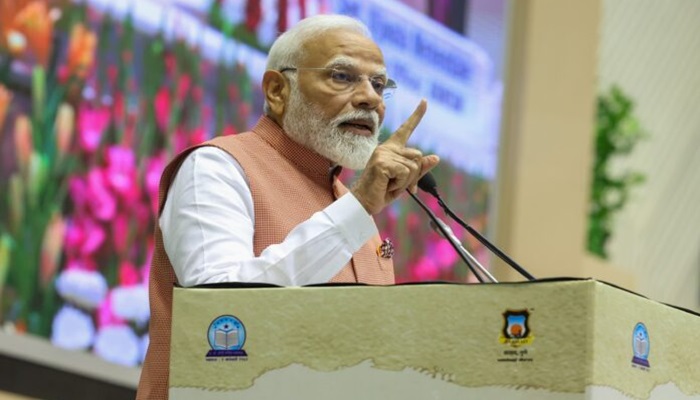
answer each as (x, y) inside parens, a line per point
(208, 224)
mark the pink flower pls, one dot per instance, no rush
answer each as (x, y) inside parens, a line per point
(457, 229)
(92, 122)
(183, 86)
(229, 130)
(443, 254)
(141, 215)
(162, 108)
(432, 204)
(128, 274)
(121, 172)
(94, 237)
(77, 187)
(83, 237)
(425, 270)
(101, 202)
(170, 63)
(120, 233)
(180, 141)
(197, 136)
(82, 264)
(119, 106)
(63, 73)
(105, 313)
(154, 169)
(74, 238)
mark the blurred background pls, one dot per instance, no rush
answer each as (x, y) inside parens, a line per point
(568, 134)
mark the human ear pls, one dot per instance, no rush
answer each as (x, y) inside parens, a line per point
(276, 89)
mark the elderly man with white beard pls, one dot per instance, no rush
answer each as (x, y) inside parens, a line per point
(266, 205)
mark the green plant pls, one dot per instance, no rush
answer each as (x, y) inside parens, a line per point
(617, 133)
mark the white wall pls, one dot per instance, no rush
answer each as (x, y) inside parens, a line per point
(651, 49)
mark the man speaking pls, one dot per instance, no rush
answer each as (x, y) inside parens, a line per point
(266, 205)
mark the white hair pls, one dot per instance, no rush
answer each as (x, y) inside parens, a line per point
(288, 49)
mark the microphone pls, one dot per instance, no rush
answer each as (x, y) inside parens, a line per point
(450, 238)
(427, 184)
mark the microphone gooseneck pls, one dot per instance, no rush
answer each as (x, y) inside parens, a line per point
(450, 238)
(483, 271)
(427, 184)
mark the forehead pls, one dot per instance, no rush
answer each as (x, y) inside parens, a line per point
(342, 44)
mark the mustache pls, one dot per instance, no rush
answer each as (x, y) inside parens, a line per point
(355, 115)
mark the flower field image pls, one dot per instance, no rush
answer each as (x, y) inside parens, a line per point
(94, 102)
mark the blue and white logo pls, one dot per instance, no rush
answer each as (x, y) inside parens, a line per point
(226, 336)
(640, 345)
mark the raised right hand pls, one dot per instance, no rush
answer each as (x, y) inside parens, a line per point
(393, 167)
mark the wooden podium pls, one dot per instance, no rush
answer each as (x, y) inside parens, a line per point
(551, 339)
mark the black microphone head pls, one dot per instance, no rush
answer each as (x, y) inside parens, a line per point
(427, 184)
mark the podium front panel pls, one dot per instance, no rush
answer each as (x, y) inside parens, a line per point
(541, 340)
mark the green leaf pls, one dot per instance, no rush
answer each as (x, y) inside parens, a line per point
(617, 133)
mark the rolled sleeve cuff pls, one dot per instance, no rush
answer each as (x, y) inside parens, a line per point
(351, 218)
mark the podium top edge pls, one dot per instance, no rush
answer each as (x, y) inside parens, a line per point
(261, 285)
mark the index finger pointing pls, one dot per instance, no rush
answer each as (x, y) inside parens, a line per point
(406, 129)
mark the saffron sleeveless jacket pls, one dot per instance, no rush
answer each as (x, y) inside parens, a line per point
(288, 183)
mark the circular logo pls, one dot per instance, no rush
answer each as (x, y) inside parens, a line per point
(640, 342)
(226, 333)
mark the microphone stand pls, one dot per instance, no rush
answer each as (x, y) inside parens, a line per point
(427, 184)
(503, 256)
(451, 239)
(473, 259)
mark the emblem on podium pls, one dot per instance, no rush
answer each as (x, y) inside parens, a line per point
(640, 345)
(226, 335)
(516, 330)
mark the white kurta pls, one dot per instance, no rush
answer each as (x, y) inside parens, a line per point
(208, 224)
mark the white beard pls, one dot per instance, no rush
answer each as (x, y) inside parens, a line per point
(304, 123)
